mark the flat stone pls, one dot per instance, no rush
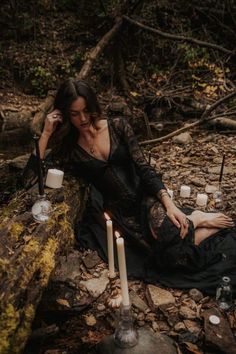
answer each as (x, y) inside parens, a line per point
(187, 313)
(91, 260)
(96, 286)
(180, 326)
(66, 270)
(192, 327)
(196, 295)
(157, 297)
(183, 139)
(148, 343)
(198, 182)
(137, 301)
(219, 337)
(210, 188)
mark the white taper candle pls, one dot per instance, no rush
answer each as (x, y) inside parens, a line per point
(110, 248)
(122, 271)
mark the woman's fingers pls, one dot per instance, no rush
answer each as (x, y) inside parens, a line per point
(184, 228)
(52, 121)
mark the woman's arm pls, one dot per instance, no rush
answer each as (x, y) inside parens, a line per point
(178, 218)
(29, 175)
(50, 125)
(151, 180)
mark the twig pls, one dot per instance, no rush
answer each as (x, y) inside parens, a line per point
(178, 37)
(94, 53)
(149, 131)
(202, 120)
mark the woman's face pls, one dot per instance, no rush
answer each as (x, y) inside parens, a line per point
(79, 115)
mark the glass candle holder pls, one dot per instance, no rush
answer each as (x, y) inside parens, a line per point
(126, 336)
(41, 209)
(218, 200)
(224, 294)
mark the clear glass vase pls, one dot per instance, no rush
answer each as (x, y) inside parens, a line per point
(224, 294)
(41, 209)
(126, 336)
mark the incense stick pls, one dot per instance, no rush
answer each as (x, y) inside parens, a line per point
(221, 170)
(39, 166)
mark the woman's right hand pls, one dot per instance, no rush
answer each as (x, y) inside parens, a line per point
(51, 122)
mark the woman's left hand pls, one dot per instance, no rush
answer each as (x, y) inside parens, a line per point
(179, 219)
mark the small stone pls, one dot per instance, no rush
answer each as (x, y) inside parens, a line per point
(192, 327)
(157, 296)
(210, 188)
(187, 313)
(96, 286)
(179, 327)
(91, 260)
(141, 316)
(138, 302)
(163, 326)
(198, 182)
(150, 317)
(90, 320)
(183, 139)
(196, 295)
(141, 323)
(155, 326)
(101, 307)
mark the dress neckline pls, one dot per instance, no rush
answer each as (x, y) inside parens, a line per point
(94, 157)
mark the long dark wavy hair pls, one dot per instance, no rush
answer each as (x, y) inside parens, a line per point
(66, 135)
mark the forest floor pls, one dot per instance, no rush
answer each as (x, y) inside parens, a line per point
(73, 316)
(165, 78)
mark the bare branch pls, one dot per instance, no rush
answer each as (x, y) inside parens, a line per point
(178, 37)
(202, 120)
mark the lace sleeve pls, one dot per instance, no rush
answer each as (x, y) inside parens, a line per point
(151, 179)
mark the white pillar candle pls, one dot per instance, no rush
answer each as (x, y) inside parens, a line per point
(185, 191)
(54, 178)
(171, 193)
(110, 248)
(122, 271)
(201, 199)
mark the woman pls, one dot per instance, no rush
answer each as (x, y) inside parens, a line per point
(163, 243)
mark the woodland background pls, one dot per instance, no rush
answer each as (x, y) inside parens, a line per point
(170, 67)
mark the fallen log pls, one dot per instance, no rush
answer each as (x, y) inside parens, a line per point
(28, 254)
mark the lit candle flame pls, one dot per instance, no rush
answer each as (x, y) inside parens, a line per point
(107, 217)
(117, 234)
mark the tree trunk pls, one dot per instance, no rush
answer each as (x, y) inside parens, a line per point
(28, 254)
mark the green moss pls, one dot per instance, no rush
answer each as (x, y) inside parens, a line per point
(30, 251)
(24, 330)
(16, 230)
(3, 264)
(47, 261)
(9, 320)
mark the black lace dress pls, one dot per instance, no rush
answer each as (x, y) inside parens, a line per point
(126, 187)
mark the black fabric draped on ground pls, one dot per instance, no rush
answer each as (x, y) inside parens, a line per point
(170, 261)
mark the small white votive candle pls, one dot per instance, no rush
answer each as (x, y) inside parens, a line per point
(54, 178)
(201, 199)
(185, 191)
(170, 192)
